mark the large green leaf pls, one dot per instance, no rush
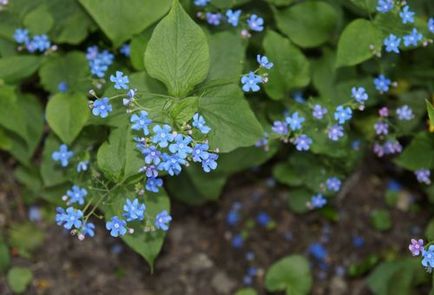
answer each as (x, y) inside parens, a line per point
(419, 154)
(13, 68)
(39, 20)
(178, 53)
(430, 110)
(290, 274)
(67, 114)
(291, 68)
(19, 278)
(367, 37)
(120, 19)
(232, 122)
(309, 23)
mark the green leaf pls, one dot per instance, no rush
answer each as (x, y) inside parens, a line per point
(52, 173)
(5, 140)
(367, 5)
(367, 37)
(430, 110)
(120, 19)
(67, 114)
(137, 47)
(290, 274)
(11, 114)
(5, 258)
(118, 157)
(39, 20)
(26, 238)
(147, 244)
(429, 231)
(182, 111)
(246, 291)
(232, 122)
(71, 69)
(309, 23)
(14, 68)
(178, 53)
(19, 278)
(419, 154)
(381, 219)
(291, 68)
(298, 199)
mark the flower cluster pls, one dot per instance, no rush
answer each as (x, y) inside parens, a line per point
(332, 185)
(38, 43)
(417, 248)
(252, 80)
(99, 61)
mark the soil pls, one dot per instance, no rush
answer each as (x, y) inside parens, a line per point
(198, 257)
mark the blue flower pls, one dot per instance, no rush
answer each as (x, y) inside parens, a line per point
(76, 195)
(384, 6)
(358, 241)
(407, 16)
(333, 184)
(317, 251)
(298, 97)
(121, 81)
(69, 218)
(335, 132)
(382, 84)
(82, 166)
(130, 97)
(233, 217)
(250, 82)
(40, 43)
(21, 36)
(423, 176)
(153, 184)
(302, 143)
(431, 25)
(237, 241)
(264, 62)
(101, 107)
(150, 170)
(125, 50)
(413, 38)
(318, 201)
(152, 155)
(88, 229)
(162, 135)
(134, 210)
(99, 61)
(140, 122)
(210, 163)
(263, 218)
(392, 43)
(116, 226)
(404, 113)
(428, 257)
(343, 114)
(162, 220)
(233, 17)
(201, 2)
(62, 155)
(294, 121)
(359, 94)
(181, 146)
(200, 152)
(318, 111)
(172, 164)
(255, 23)
(214, 19)
(199, 123)
(62, 87)
(280, 128)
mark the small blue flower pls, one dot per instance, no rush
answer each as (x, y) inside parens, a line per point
(428, 257)
(233, 17)
(62, 155)
(407, 16)
(181, 146)
(63, 87)
(237, 241)
(121, 81)
(298, 97)
(250, 82)
(162, 220)
(263, 218)
(392, 43)
(384, 6)
(153, 184)
(318, 111)
(382, 84)
(294, 121)
(131, 95)
(413, 38)
(88, 229)
(333, 184)
(302, 143)
(200, 152)
(359, 94)
(82, 166)
(335, 132)
(255, 23)
(76, 194)
(264, 62)
(431, 25)
(99, 62)
(318, 201)
(317, 251)
(423, 176)
(34, 214)
(21, 36)
(358, 241)
(125, 50)
(214, 19)
(41, 43)
(140, 122)
(233, 217)
(162, 135)
(199, 123)
(210, 163)
(152, 155)
(69, 218)
(172, 164)
(116, 226)
(280, 127)
(404, 113)
(134, 210)
(201, 2)
(102, 107)
(343, 114)
(149, 170)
